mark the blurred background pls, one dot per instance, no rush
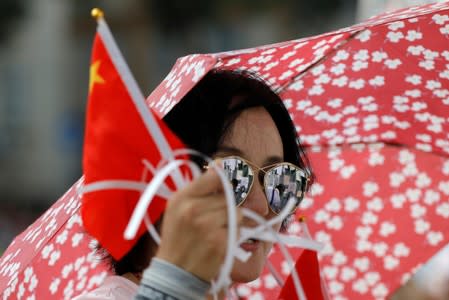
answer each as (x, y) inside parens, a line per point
(44, 61)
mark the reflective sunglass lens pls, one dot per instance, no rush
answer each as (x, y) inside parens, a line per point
(282, 183)
(240, 175)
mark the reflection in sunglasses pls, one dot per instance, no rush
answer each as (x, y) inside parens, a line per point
(281, 181)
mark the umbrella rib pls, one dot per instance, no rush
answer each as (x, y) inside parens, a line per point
(386, 143)
(325, 56)
(341, 45)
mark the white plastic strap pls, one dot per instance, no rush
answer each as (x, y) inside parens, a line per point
(241, 254)
(224, 280)
(118, 184)
(147, 197)
(151, 229)
(153, 170)
(158, 182)
(296, 281)
(288, 240)
(276, 220)
(112, 184)
(275, 273)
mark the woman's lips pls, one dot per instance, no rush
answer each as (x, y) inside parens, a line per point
(250, 245)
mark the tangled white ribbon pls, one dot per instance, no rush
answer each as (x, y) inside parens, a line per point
(264, 231)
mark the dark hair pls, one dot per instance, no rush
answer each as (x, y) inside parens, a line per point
(203, 118)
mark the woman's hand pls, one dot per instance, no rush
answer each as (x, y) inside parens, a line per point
(194, 229)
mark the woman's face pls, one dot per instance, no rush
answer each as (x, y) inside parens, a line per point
(254, 136)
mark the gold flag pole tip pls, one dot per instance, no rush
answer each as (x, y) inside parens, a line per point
(97, 13)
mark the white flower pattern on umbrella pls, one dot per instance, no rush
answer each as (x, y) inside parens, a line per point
(335, 86)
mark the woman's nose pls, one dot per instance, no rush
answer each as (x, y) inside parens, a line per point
(257, 200)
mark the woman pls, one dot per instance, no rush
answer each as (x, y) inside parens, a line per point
(237, 119)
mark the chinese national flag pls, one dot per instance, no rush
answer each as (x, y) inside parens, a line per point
(308, 270)
(116, 142)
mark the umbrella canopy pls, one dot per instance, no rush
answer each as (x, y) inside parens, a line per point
(53, 258)
(371, 103)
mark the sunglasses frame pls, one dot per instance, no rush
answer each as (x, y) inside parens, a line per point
(266, 170)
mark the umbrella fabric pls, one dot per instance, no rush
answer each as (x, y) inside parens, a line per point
(380, 155)
(371, 103)
(53, 258)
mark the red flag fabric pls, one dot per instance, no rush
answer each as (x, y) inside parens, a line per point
(308, 270)
(116, 143)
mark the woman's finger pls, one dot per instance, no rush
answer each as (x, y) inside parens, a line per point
(207, 183)
(211, 220)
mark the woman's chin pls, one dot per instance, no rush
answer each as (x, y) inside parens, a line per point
(244, 278)
(246, 272)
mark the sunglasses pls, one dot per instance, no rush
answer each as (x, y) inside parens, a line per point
(281, 181)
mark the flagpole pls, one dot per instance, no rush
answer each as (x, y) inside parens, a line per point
(97, 13)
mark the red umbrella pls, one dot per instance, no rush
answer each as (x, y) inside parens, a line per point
(371, 103)
(53, 258)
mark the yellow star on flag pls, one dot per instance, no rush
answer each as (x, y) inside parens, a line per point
(94, 77)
